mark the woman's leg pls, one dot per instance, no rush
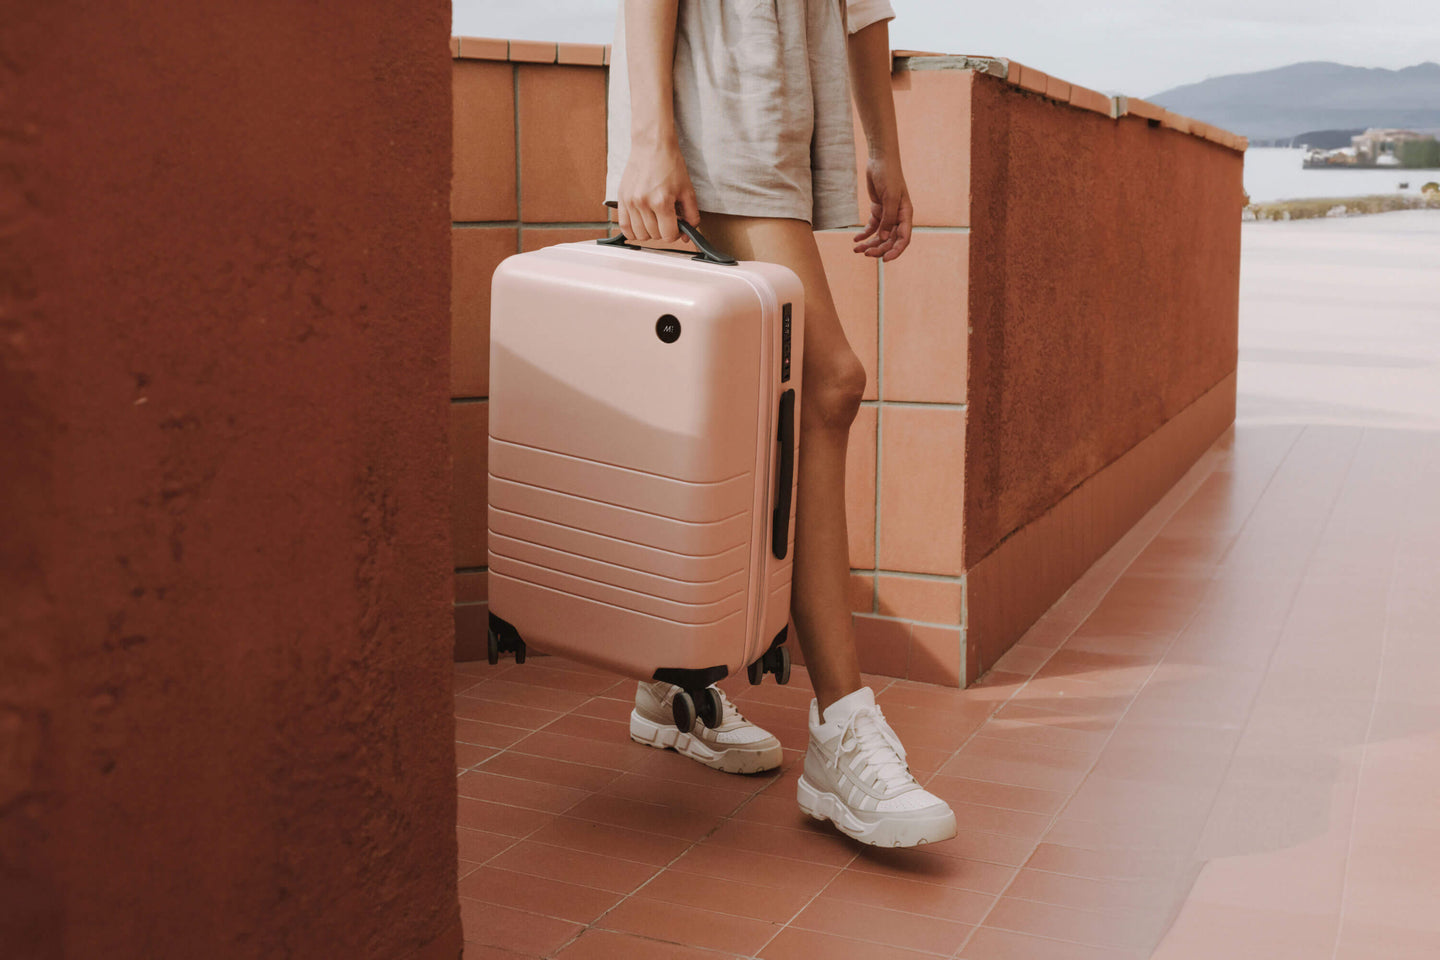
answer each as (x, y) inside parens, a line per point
(833, 382)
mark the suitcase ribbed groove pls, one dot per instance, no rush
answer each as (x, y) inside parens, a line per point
(557, 489)
(621, 522)
(661, 607)
(556, 531)
(502, 443)
(648, 582)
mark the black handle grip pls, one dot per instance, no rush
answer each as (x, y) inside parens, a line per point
(784, 477)
(707, 253)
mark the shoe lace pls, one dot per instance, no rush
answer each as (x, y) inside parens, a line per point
(729, 715)
(869, 737)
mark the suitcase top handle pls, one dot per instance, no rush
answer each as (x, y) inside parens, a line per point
(708, 253)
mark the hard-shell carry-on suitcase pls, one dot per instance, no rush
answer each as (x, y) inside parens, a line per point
(643, 442)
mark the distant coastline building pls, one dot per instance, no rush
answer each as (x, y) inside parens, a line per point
(1381, 147)
(1385, 147)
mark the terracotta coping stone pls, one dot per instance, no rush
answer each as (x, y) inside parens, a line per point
(483, 48)
(1175, 121)
(533, 51)
(1053, 88)
(1092, 100)
(583, 54)
(1029, 79)
(454, 47)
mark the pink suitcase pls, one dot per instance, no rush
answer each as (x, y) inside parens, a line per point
(643, 413)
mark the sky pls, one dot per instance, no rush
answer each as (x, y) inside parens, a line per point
(1137, 47)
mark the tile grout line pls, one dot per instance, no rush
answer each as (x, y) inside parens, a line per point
(879, 416)
(924, 404)
(515, 96)
(934, 577)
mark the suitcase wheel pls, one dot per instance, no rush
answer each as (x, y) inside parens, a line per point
(781, 664)
(709, 708)
(703, 705)
(503, 638)
(776, 660)
(682, 709)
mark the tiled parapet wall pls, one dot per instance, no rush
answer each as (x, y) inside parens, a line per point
(1069, 292)
(1103, 306)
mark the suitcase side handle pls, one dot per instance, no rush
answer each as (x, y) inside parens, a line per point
(784, 477)
(708, 252)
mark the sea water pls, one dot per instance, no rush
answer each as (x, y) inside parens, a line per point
(1278, 173)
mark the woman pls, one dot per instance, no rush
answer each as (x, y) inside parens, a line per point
(736, 115)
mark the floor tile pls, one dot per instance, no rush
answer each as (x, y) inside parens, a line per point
(574, 866)
(897, 928)
(732, 897)
(598, 944)
(988, 943)
(523, 932)
(548, 898)
(911, 896)
(691, 925)
(609, 841)
(794, 943)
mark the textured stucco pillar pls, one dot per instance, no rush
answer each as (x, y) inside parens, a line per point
(225, 583)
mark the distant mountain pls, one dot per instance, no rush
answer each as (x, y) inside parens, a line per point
(1281, 103)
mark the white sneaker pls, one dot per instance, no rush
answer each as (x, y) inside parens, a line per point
(856, 777)
(735, 746)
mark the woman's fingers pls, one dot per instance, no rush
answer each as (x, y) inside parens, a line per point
(633, 222)
(869, 231)
(899, 242)
(664, 213)
(652, 224)
(900, 239)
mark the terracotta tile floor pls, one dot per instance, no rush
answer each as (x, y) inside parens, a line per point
(1224, 742)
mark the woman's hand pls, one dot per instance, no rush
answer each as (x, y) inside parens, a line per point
(653, 187)
(888, 233)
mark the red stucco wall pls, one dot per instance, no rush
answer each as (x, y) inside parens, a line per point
(225, 716)
(1104, 293)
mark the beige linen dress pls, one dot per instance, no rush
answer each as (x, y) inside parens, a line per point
(762, 106)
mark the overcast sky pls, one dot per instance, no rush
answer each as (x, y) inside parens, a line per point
(1139, 47)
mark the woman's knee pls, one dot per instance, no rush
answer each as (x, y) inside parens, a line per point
(834, 386)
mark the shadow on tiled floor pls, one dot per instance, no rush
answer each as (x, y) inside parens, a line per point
(1224, 742)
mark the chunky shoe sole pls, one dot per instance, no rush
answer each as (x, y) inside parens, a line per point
(741, 758)
(909, 828)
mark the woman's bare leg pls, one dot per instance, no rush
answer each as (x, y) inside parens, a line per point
(833, 384)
